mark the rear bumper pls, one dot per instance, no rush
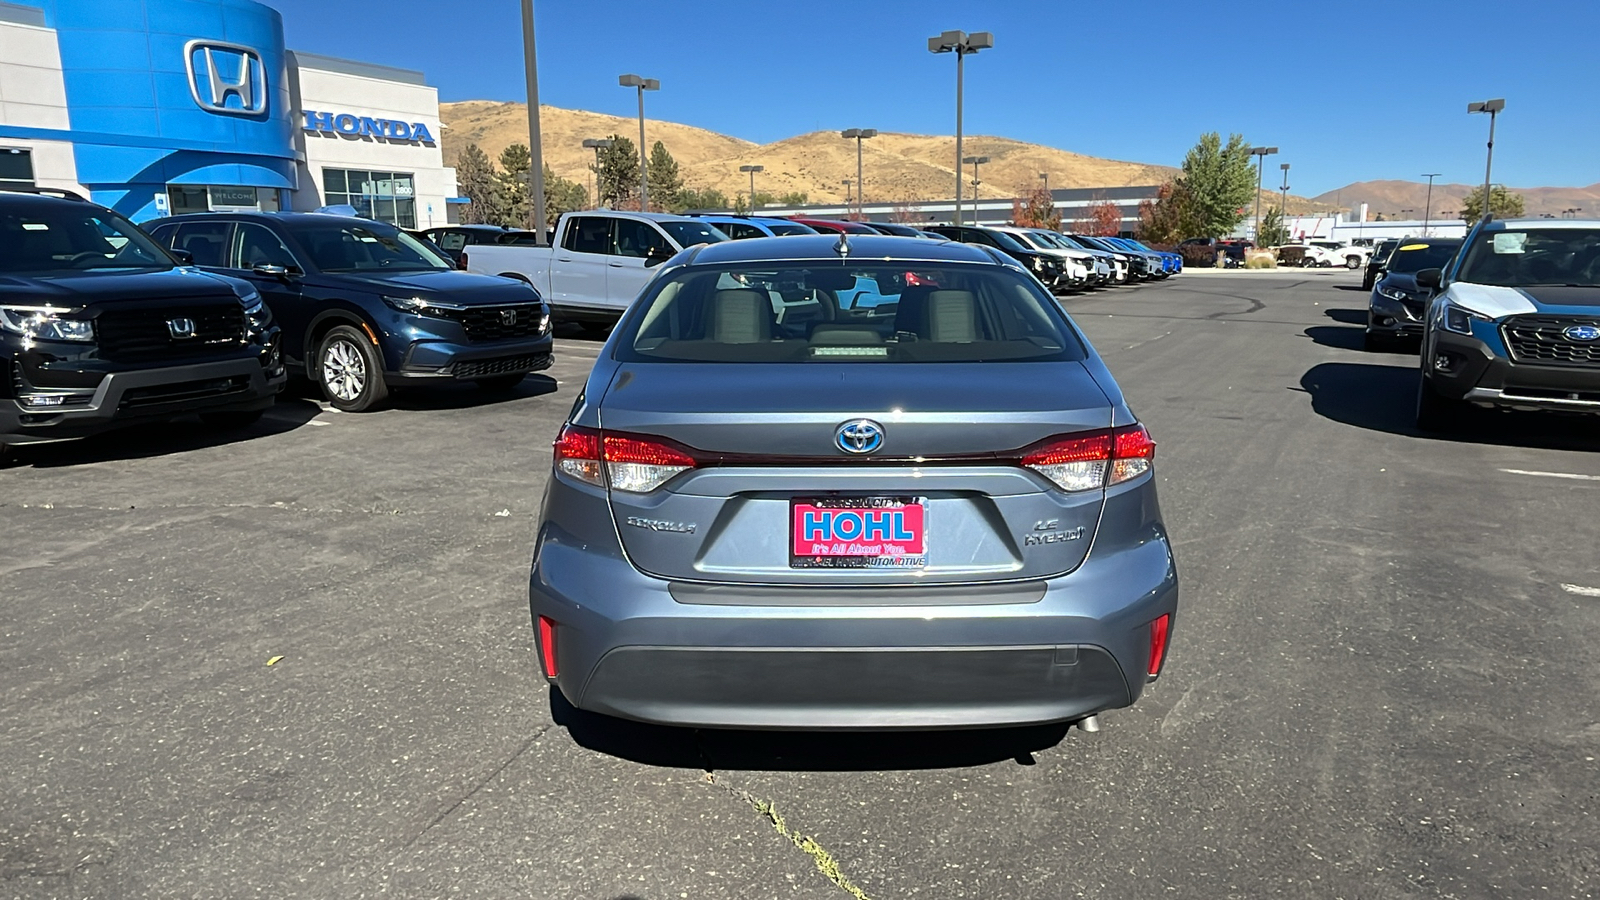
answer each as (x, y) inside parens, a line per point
(1062, 649)
(125, 398)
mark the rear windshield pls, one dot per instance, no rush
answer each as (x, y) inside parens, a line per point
(1530, 256)
(1423, 254)
(847, 312)
(787, 228)
(44, 238)
(687, 234)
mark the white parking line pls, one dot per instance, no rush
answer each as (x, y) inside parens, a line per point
(1570, 476)
(1580, 590)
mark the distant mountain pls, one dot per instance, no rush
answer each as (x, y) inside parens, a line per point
(897, 166)
(1392, 198)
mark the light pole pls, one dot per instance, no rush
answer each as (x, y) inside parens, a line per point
(596, 144)
(848, 197)
(1261, 154)
(752, 170)
(960, 43)
(1284, 203)
(643, 84)
(1427, 206)
(1045, 177)
(1492, 107)
(535, 145)
(975, 162)
(859, 135)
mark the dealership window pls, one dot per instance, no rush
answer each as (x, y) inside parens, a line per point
(385, 196)
(16, 167)
(188, 198)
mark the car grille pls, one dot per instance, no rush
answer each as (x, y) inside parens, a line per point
(505, 365)
(136, 335)
(159, 394)
(1539, 339)
(488, 323)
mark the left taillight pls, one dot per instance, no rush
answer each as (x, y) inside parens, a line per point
(1159, 631)
(634, 463)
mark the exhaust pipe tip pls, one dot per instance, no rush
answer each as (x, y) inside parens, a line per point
(1089, 724)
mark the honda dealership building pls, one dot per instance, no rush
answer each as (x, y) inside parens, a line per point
(168, 106)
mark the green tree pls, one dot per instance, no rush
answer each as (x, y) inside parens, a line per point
(703, 199)
(792, 198)
(617, 178)
(1273, 232)
(1503, 204)
(516, 201)
(475, 180)
(762, 198)
(665, 183)
(1220, 183)
(741, 205)
(562, 195)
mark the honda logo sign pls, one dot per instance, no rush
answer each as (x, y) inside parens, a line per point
(228, 79)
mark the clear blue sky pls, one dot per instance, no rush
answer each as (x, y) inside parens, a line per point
(1349, 91)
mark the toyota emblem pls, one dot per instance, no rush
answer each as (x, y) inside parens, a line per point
(859, 437)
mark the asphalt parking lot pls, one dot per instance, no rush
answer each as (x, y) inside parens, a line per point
(1381, 685)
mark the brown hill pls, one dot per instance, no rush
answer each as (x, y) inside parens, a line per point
(1390, 198)
(902, 167)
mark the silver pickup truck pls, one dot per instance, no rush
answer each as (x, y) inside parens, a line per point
(599, 262)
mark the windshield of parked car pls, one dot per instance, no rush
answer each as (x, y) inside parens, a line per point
(788, 228)
(347, 245)
(1037, 240)
(687, 234)
(1422, 254)
(1381, 254)
(1006, 241)
(1065, 242)
(825, 311)
(1533, 256)
(47, 238)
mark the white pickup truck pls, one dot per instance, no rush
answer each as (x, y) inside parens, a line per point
(600, 260)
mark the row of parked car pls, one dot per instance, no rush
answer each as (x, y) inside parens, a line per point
(599, 260)
(1506, 318)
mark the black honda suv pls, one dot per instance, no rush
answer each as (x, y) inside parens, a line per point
(101, 327)
(365, 306)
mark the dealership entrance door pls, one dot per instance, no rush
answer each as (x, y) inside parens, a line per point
(188, 198)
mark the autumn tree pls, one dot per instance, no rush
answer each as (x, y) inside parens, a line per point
(1169, 218)
(1101, 218)
(1036, 210)
(475, 180)
(1503, 204)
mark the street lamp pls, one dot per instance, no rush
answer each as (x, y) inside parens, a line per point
(643, 84)
(848, 197)
(752, 170)
(1492, 107)
(1261, 154)
(960, 43)
(1427, 206)
(1284, 203)
(975, 162)
(535, 144)
(859, 135)
(596, 144)
(1045, 177)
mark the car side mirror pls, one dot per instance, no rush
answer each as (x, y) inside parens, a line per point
(184, 257)
(655, 256)
(1430, 278)
(272, 270)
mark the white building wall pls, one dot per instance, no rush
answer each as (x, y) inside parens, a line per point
(33, 94)
(376, 98)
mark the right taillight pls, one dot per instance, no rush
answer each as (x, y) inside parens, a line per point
(1086, 462)
(637, 464)
(1158, 644)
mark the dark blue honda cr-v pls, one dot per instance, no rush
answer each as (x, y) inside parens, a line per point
(365, 306)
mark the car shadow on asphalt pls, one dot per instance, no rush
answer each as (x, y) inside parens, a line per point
(469, 396)
(155, 439)
(1384, 398)
(1351, 287)
(714, 750)
(1347, 316)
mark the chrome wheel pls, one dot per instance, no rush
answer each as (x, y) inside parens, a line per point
(344, 372)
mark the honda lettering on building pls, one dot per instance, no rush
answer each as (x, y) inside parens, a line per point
(367, 127)
(227, 79)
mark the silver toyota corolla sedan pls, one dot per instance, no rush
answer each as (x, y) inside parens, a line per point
(861, 482)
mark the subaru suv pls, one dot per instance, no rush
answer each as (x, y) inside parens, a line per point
(1515, 323)
(365, 307)
(100, 327)
(851, 519)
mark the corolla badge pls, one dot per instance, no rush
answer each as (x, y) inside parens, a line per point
(859, 436)
(1583, 333)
